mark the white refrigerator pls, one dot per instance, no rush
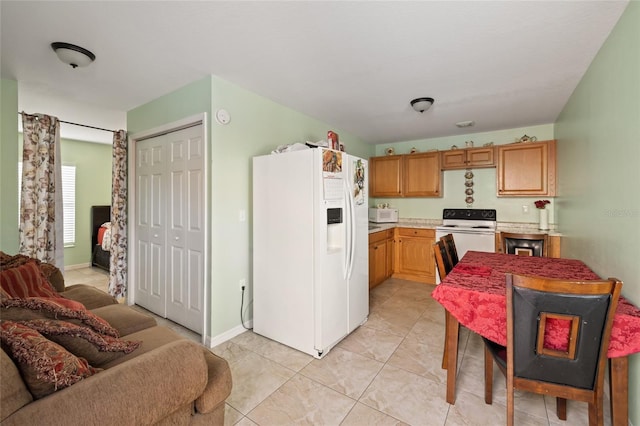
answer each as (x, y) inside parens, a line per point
(310, 247)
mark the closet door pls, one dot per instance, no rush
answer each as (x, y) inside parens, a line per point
(170, 226)
(186, 230)
(150, 228)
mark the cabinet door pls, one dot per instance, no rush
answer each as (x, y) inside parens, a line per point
(377, 263)
(422, 175)
(526, 169)
(480, 157)
(414, 255)
(390, 250)
(453, 159)
(385, 176)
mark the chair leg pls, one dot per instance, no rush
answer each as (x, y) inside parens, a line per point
(510, 406)
(446, 335)
(596, 413)
(561, 408)
(488, 376)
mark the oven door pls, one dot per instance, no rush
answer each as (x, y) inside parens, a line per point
(468, 239)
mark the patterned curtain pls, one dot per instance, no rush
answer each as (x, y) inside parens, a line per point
(119, 243)
(41, 220)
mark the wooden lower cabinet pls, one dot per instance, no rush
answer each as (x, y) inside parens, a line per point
(380, 256)
(414, 255)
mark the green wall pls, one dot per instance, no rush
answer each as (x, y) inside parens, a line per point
(93, 187)
(509, 208)
(598, 136)
(257, 126)
(8, 166)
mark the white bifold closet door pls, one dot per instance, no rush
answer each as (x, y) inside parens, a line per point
(170, 226)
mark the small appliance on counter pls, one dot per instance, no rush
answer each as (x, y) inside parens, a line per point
(384, 215)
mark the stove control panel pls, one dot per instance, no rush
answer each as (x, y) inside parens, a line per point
(469, 214)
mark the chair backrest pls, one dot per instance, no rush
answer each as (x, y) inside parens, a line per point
(525, 244)
(577, 359)
(442, 260)
(450, 245)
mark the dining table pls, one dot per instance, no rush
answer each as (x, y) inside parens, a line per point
(474, 295)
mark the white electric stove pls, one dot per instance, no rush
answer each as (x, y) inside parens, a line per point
(472, 229)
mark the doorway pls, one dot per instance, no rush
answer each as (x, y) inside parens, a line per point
(169, 224)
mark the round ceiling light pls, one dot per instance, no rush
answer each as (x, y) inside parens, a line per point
(73, 55)
(421, 104)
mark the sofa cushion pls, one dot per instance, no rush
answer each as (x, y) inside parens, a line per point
(151, 339)
(58, 308)
(15, 394)
(45, 366)
(89, 296)
(83, 342)
(125, 319)
(26, 280)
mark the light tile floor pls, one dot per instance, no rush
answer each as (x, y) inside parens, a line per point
(387, 372)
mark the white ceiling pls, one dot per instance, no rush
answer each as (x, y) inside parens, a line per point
(355, 65)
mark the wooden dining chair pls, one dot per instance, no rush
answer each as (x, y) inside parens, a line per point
(443, 263)
(525, 244)
(450, 245)
(577, 372)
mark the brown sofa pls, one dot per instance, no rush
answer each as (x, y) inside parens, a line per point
(167, 380)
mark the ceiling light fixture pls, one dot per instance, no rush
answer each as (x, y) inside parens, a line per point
(465, 123)
(73, 55)
(421, 104)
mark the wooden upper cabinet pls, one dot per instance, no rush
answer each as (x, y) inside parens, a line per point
(527, 169)
(412, 175)
(422, 175)
(385, 176)
(468, 158)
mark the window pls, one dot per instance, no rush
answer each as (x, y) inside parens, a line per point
(68, 201)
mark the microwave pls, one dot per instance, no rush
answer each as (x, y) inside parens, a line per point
(383, 215)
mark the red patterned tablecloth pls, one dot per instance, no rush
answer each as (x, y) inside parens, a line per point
(474, 292)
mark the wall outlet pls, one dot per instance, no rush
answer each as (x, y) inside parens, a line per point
(242, 215)
(243, 284)
(525, 209)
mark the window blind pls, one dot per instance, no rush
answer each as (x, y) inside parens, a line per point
(68, 201)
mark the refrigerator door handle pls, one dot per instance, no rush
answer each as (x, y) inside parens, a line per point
(349, 224)
(351, 231)
(354, 229)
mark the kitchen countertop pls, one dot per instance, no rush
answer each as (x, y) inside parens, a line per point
(519, 227)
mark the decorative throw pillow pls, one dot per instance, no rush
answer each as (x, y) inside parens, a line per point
(45, 366)
(51, 273)
(56, 308)
(26, 280)
(97, 349)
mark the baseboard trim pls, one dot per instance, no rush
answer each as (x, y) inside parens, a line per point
(78, 266)
(211, 342)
